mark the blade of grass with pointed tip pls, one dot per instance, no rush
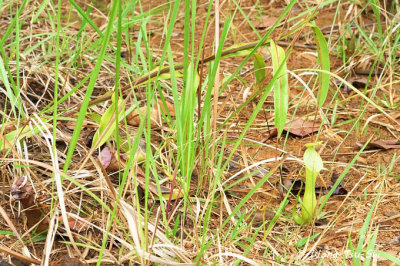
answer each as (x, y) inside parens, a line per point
(281, 86)
(86, 17)
(90, 88)
(323, 59)
(363, 231)
(370, 248)
(9, 92)
(340, 178)
(387, 256)
(11, 26)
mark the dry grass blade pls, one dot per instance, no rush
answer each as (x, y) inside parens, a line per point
(134, 224)
(202, 115)
(19, 256)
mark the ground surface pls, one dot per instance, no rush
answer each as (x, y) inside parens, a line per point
(369, 187)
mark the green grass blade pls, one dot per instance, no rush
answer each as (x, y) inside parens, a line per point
(370, 248)
(89, 91)
(86, 17)
(364, 228)
(323, 58)
(387, 256)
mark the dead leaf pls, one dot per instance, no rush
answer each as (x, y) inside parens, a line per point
(75, 224)
(298, 127)
(133, 118)
(170, 108)
(22, 190)
(301, 128)
(259, 217)
(265, 23)
(380, 144)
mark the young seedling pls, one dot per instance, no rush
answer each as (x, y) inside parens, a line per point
(314, 165)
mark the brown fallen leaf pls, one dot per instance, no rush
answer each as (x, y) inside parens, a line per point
(170, 108)
(133, 118)
(22, 190)
(75, 224)
(265, 23)
(301, 128)
(258, 217)
(380, 144)
(298, 127)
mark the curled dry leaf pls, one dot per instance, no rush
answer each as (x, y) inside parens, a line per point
(22, 190)
(298, 127)
(159, 108)
(133, 118)
(380, 144)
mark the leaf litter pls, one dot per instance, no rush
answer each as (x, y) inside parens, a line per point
(182, 252)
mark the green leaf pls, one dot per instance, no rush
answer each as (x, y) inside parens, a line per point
(323, 59)
(259, 68)
(301, 242)
(107, 123)
(281, 86)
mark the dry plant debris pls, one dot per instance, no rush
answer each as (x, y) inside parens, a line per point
(200, 188)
